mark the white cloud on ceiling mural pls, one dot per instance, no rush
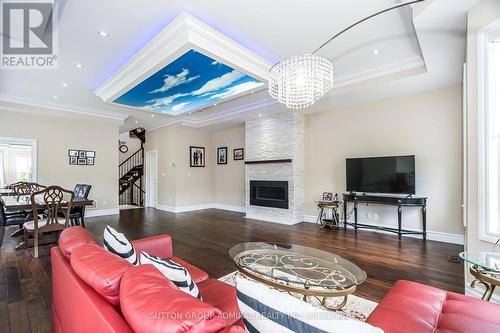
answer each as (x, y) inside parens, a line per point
(171, 81)
(218, 83)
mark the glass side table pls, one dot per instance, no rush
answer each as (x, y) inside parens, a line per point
(485, 267)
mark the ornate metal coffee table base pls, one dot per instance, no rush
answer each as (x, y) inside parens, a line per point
(322, 295)
(488, 279)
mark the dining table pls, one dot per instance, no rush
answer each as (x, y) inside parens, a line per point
(23, 202)
(7, 192)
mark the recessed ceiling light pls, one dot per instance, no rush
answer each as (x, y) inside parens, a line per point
(215, 104)
(103, 34)
(136, 122)
(78, 65)
(64, 84)
(252, 92)
(152, 116)
(190, 112)
(375, 52)
(260, 114)
(55, 97)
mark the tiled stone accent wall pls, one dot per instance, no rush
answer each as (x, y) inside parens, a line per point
(278, 137)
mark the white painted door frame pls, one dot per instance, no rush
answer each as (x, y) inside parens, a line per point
(149, 185)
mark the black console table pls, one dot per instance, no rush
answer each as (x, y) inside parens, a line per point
(399, 201)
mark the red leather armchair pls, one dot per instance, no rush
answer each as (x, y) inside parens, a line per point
(411, 307)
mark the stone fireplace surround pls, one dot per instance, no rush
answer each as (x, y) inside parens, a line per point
(274, 149)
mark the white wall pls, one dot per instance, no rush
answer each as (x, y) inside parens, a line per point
(427, 125)
(183, 187)
(229, 179)
(479, 16)
(55, 136)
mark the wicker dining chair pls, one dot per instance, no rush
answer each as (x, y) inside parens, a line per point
(53, 198)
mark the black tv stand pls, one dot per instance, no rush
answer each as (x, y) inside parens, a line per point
(394, 200)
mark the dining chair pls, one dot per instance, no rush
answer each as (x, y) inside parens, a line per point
(8, 220)
(55, 199)
(27, 188)
(77, 215)
(24, 188)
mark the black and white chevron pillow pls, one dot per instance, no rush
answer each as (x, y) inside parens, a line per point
(118, 244)
(174, 272)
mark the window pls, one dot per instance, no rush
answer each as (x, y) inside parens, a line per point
(17, 160)
(489, 132)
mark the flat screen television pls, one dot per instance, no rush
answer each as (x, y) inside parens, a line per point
(388, 174)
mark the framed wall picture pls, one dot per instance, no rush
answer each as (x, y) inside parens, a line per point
(222, 155)
(327, 196)
(238, 154)
(81, 157)
(196, 157)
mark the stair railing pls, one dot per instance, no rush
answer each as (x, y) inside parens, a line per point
(133, 161)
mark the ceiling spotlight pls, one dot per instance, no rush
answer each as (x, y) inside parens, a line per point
(136, 122)
(215, 104)
(78, 65)
(56, 98)
(375, 52)
(152, 116)
(103, 34)
(260, 114)
(64, 84)
(190, 112)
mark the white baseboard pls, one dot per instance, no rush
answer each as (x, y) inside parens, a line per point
(478, 293)
(239, 209)
(437, 236)
(268, 219)
(101, 212)
(182, 209)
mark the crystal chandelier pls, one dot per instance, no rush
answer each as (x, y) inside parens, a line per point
(300, 81)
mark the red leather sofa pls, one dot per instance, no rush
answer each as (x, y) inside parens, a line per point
(96, 291)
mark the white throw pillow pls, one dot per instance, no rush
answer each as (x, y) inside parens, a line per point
(174, 272)
(268, 310)
(118, 244)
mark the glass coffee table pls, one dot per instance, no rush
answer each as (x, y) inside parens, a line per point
(299, 269)
(485, 267)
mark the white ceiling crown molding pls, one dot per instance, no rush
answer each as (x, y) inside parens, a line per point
(26, 106)
(232, 113)
(184, 33)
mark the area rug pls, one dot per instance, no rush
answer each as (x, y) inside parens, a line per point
(356, 307)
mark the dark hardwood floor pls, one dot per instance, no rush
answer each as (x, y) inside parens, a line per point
(204, 238)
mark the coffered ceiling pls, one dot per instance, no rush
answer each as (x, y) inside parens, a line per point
(102, 36)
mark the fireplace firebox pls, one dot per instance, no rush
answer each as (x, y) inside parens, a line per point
(269, 193)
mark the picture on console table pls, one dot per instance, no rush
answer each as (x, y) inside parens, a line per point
(196, 157)
(238, 154)
(222, 155)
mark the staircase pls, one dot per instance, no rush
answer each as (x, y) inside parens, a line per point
(131, 172)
